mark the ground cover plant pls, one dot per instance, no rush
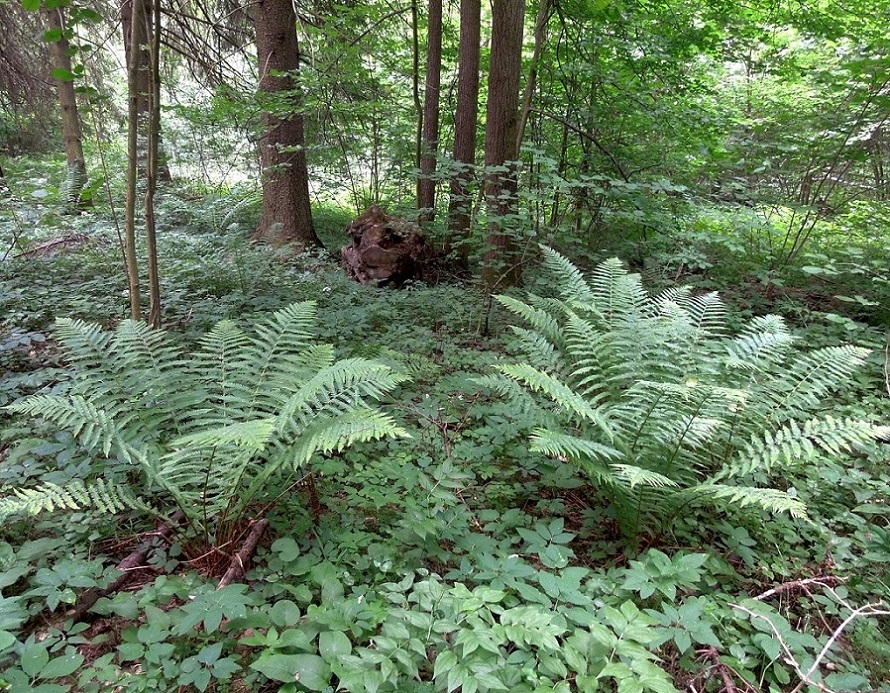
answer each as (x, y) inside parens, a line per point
(612, 418)
(478, 554)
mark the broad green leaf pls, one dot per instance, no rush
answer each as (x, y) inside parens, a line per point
(33, 658)
(61, 666)
(333, 644)
(308, 670)
(285, 613)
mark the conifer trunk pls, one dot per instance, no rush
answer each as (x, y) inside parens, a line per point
(465, 127)
(503, 258)
(426, 190)
(71, 130)
(287, 214)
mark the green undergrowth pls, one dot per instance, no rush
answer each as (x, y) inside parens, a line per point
(457, 559)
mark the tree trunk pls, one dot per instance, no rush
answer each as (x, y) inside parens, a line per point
(153, 130)
(465, 126)
(143, 80)
(426, 197)
(77, 168)
(502, 260)
(540, 39)
(415, 87)
(133, 68)
(287, 215)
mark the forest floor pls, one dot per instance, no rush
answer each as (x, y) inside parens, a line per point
(453, 559)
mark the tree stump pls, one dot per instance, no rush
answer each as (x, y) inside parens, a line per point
(385, 248)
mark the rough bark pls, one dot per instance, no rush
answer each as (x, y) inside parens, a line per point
(502, 260)
(465, 126)
(71, 131)
(426, 189)
(287, 215)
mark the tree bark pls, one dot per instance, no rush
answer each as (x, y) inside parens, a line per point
(143, 80)
(426, 197)
(540, 39)
(415, 87)
(153, 166)
(71, 131)
(133, 67)
(287, 214)
(503, 259)
(465, 126)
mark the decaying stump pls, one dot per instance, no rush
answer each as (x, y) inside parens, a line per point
(385, 248)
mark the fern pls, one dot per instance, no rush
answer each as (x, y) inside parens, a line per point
(99, 495)
(660, 407)
(208, 430)
(73, 185)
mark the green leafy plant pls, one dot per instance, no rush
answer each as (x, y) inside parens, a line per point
(210, 430)
(661, 408)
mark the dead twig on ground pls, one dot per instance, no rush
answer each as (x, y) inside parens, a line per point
(241, 559)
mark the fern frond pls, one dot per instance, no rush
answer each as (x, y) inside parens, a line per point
(707, 314)
(254, 435)
(337, 388)
(563, 445)
(108, 498)
(84, 344)
(540, 320)
(570, 282)
(561, 394)
(617, 295)
(817, 373)
(794, 443)
(93, 427)
(758, 352)
(769, 499)
(633, 476)
(281, 337)
(329, 434)
(540, 352)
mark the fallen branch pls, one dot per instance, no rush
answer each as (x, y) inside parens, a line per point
(55, 244)
(242, 558)
(133, 562)
(712, 655)
(876, 609)
(824, 581)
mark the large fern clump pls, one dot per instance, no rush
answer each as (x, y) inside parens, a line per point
(210, 430)
(661, 408)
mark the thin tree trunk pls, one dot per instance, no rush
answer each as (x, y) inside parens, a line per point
(287, 214)
(143, 81)
(540, 39)
(415, 89)
(153, 131)
(426, 191)
(502, 261)
(465, 126)
(77, 169)
(133, 165)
